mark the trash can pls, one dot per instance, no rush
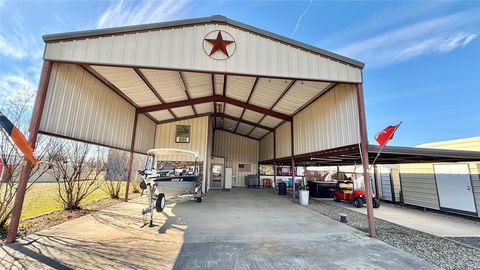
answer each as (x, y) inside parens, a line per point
(303, 197)
(282, 188)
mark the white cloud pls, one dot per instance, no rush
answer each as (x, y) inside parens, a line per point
(438, 35)
(15, 87)
(122, 13)
(14, 48)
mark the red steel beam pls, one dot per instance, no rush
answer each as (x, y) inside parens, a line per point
(292, 160)
(32, 139)
(152, 89)
(130, 160)
(215, 98)
(364, 155)
(241, 120)
(182, 81)
(248, 101)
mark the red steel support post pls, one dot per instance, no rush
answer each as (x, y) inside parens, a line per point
(130, 160)
(274, 161)
(364, 151)
(293, 160)
(32, 139)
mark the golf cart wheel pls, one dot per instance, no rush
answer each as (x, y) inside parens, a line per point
(160, 203)
(199, 199)
(375, 203)
(335, 198)
(358, 202)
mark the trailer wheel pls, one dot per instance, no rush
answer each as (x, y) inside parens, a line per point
(199, 199)
(375, 203)
(335, 198)
(160, 203)
(358, 202)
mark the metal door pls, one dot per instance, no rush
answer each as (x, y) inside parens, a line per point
(217, 176)
(454, 187)
(386, 183)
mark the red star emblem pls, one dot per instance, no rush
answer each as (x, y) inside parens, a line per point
(219, 44)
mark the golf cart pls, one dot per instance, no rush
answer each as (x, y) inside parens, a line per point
(168, 180)
(345, 191)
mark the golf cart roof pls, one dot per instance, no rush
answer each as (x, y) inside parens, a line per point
(169, 151)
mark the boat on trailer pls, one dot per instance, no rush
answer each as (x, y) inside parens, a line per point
(168, 181)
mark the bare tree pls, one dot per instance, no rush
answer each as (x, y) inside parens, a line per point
(138, 164)
(17, 109)
(77, 168)
(116, 172)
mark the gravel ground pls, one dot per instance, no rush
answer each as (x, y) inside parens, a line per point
(472, 241)
(437, 250)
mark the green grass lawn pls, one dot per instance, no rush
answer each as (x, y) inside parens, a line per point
(43, 198)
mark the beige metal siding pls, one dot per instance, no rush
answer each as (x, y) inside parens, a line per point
(266, 147)
(145, 134)
(329, 122)
(182, 48)
(165, 137)
(79, 106)
(236, 150)
(418, 185)
(283, 147)
(475, 174)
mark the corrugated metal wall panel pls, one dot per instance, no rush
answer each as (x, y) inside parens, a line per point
(475, 171)
(329, 122)
(79, 106)
(145, 134)
(419, 189)
(182, 48)
(236, 150)
(266, 147)
(165, 137)
(283, 140)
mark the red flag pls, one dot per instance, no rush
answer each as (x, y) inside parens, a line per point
(18, 138)
(385, 135)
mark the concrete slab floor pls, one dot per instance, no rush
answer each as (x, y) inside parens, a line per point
(241, 229)
(425, 221)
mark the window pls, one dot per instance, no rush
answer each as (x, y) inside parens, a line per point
(182, 134)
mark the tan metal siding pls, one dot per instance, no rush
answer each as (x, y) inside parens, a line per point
(475, 171)
(329, 122)
(182, 48)
(145, 134)
(283, 140)
(165, 137)
(418, 185)
(266, 147)
(79, 106)
(236, 150)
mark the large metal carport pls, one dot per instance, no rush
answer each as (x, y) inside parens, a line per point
(119, 87)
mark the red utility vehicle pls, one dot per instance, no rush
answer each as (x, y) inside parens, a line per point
(345, 191)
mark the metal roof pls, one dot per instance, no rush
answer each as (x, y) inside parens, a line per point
(349, 155)
(181, 23)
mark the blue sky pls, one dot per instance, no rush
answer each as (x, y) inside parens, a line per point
(422, 58)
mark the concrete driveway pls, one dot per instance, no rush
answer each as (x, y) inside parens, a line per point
(439, 224)
(241, 229)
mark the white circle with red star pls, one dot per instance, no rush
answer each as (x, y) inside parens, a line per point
(219, 44)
